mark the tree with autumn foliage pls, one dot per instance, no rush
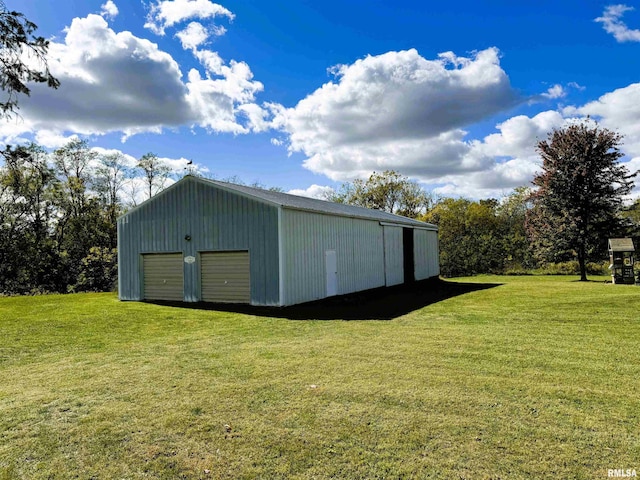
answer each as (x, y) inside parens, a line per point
(580, 194)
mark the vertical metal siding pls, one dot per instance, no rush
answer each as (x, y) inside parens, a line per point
(393, 256)
(129, 260)
(434, 254)
(305, 239)
(280, 258)
(426, 258)
(216, 220)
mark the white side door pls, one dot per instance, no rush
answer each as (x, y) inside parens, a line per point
(331, 268)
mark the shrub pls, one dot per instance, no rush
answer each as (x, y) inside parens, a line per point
(573, 268)
(98, 272)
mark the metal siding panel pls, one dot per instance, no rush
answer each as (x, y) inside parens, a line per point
(393, 256)
(303, 262)
(420, 254)
(305, 239)
(121, 279)
(206, 213)
(239, 223)
(367, 247)
(189, 224)
(163, 277)
(129, 267)
(225, 277)
(434, 254)
(281, 291)
(124, 275)
(427, 263)
(260, 250)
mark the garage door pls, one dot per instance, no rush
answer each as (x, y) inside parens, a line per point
(163, 276)
(225, 277)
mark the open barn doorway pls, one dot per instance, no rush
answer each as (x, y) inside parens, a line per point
(407, 253)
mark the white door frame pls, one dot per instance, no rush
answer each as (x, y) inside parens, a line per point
(331, 269)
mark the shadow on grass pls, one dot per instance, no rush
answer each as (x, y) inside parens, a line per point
(376, 304)
(592, 281)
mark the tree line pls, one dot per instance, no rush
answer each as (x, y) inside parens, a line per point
(575, 204)
(58, 215)
(59, 210)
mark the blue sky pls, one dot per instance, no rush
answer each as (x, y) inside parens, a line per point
(305, 95)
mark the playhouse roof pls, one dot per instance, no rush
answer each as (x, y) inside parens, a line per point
(621, 245)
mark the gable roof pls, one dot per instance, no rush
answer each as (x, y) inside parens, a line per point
(295, 202)
(621, 245)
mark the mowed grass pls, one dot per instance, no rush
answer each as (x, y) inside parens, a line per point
(536, 377)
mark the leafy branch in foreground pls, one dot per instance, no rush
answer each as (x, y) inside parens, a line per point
(22, 59)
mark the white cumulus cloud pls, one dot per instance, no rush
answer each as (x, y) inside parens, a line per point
(557, 91)
(52, 139)
(399, 95)
(116, 82)
(109, 10)
(314, 191)
(398, 111)
(167, 13)
(218, 101)
(612, 23)
(193, 36)
(403, 112)
(494, 182)
(509, 157)
(619, 110)
(518, 135)
(108, 82)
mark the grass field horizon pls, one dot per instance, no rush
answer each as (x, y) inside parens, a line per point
(506, 377)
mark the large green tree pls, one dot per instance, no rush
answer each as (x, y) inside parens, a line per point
(470, 236)
(579, 193)
(108, 183)
(58, 214)
(484, 236)
(22, 59)
(82, 222)
(511, 214)
(388, 191)
(28, 255)
(155, 173)
(631, 219)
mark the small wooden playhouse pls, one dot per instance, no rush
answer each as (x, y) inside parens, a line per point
(621, 255)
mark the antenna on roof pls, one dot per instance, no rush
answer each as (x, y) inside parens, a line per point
(190, 168)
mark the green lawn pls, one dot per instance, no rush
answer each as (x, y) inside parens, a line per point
(536, 377)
